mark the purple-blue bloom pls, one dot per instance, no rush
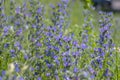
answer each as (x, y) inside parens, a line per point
(12, 51)
(18, 45)
(106, 73)
(19, 32)
(75, 70)
(1, 78)
(39, 78)
(6, 45)
(26, 57)
(3, 73)
(6, 30)
(18, 10)
(83, 46)
(47, 74)
(17, 69)
(38, 44)
(21, 78)
(39, 10)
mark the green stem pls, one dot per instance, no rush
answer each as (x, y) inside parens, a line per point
(117, 66)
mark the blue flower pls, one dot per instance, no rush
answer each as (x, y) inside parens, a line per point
(85, 74)
(74, 43)
(83, 46)
(91, 70)
(39, 78)
(6, 30)
(12, 51)
(102, 54)
(21, 78)
(1, 78)
(39, 10)
(75, 54)
(92, 76)
(52, 6)
(18, 45)
(57, 62)
(100, 50)
(65, 1)
(65, 38)
(57, 77)
(14, 77)
(18, 10)
(26, 57)
(19, 32)
(67, 47)
(49, 65)
(31, 69)
(56, 48)
(106, 73)
(3, 73)
(93, 64)
(6, 45)
(17, 69)
(38, 44)
(47, 74)
(75, 70)
(33, 26)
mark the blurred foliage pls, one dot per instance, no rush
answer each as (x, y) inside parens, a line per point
(87, 3)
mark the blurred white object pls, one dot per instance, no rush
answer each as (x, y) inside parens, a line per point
(116, 4)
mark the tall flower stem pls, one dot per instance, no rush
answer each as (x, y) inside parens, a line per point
(117, 70)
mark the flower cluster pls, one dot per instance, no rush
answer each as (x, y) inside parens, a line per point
(103, 54)
(35, 47)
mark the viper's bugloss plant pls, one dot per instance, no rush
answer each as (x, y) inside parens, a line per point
(105, 51)
(34, 46)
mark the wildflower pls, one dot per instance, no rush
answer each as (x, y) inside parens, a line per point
(83, 46)
(14, 77)
(106, 73)
(18, 10)
(1, 78)
(65, 1)
(21, 78)
(39, 78)
(75, 70)
(31, 69)
(38, 44)
(57, 77)
(26, 57)
(91, 70)
(6, 45)
(74, 43)
(6, 30)
(3, 73)
(92, 76)
(52, 6)
(75, 54)
(85, 74)
(56, 48)
(17, 69)
(67, 47)
(47, 74)
(18, 45)
(39, 10)
(12, 51)
(19, 32)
